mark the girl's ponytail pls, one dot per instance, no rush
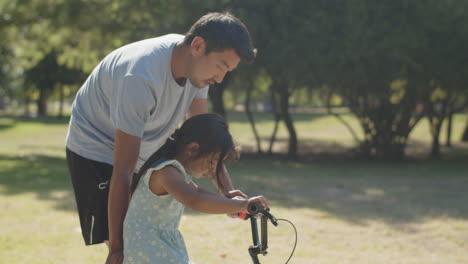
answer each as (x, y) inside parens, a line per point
(168, 150)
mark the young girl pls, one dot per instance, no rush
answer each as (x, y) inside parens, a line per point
(163, 187)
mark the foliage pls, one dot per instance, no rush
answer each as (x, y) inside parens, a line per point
(390, 62)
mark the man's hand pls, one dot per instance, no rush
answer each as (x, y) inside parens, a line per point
(115, 257)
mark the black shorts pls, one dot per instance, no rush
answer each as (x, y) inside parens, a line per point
(91, 180)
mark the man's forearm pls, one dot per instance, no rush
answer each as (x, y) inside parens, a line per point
(119, 197)
(126, 151)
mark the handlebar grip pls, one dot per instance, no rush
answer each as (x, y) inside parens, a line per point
(243, 216)
(255, 208)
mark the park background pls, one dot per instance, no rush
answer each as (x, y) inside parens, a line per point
(353, 123)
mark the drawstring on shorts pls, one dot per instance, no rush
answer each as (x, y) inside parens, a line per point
(103, 185)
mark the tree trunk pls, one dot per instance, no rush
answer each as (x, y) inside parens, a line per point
(284, 107)
(216, 95)
(436, 125)
(277, 117)
(42, 102)
(449, 129)
(435, 150)
(340, 118)
(250, 117)
(216, 99)
(437, 112)
(62, 101)
(273, 134)
(27, 110)
(465, 133)
(2, 102)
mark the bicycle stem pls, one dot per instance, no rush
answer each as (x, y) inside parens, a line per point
(259, 246)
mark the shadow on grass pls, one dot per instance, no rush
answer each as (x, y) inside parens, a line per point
(395, 193)
(6, 123)
(356, 192)
(39, 174)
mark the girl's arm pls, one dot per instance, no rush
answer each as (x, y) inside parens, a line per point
(232, 194)
(201, 190)
(170, 180)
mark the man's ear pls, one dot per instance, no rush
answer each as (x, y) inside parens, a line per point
(198, 46)
(192, 149)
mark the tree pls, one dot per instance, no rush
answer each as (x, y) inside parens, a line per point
(369, 53)
(445, 65)
(253, 77)
(216, 95)
(5, 73)
(42, 76)
(75, 35)
(285, 61)
(48, 75)
(465, 132)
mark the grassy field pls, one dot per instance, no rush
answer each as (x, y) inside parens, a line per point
(345, 212)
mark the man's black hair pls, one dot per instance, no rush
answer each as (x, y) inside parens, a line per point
(222, 31)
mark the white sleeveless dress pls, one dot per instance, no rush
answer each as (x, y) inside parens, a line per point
(150, 229)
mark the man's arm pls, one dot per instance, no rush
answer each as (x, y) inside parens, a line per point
(126, 151)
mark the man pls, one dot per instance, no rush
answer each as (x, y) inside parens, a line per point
(131, 103)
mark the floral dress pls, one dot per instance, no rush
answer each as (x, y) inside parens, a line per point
(151, 232)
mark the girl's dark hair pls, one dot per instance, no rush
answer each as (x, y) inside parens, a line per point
(211, 133)
(222, 31)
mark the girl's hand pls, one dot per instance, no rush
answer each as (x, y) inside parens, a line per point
(234, 193)
(258, 199)
(238, 195)
(240, 198)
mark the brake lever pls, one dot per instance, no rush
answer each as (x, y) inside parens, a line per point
(257, 208)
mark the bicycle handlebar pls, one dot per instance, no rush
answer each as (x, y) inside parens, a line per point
(259, 247)
(257, 208)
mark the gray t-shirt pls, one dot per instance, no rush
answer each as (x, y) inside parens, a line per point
(133, 90)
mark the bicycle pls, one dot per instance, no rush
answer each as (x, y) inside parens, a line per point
(257, 210)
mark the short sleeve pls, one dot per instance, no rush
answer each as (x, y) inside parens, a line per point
(131, 105)
(175, 163)
(202, 93)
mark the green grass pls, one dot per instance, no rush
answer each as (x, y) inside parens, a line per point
(345, 212)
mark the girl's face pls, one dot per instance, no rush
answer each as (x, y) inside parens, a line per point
(204, 166)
